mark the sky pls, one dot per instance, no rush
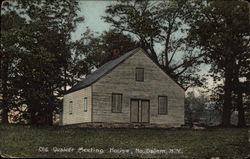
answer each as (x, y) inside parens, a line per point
(92, 12)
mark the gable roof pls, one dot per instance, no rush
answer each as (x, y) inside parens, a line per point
(101, 71)
(104, 69)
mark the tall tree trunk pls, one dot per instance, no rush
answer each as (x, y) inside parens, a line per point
(238, 88)
(241, 113)
(65, 79)
(5, 115)
(50, 118)
(4, 74)
(227, 105)
(5, 108)
(33, 119)
(167, 48)
(33, 107)
(50, 108)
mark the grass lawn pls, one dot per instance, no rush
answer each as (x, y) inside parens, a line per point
(27, 141)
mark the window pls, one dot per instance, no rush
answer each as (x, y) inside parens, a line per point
(116, 103)
(139, 76)
(70, 107)
(163, 105)
(85, 104)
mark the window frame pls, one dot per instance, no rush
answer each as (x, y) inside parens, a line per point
(136, 77)
(113, 102)
(85, 105)
(71, 107)
(165, 113)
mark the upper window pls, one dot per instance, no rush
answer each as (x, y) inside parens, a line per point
(116, 103)
(139, 75)
(70, 107)
(85, 104)
(163, 104)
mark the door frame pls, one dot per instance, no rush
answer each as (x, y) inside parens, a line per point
(131, 111)
(139, 105)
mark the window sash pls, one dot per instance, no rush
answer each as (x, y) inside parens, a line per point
(116, 103)
(163, 104)
(85, 104)
(139, 74)
(70, 107)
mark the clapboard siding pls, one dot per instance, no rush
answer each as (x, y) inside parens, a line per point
(122, 80)
(78, 115)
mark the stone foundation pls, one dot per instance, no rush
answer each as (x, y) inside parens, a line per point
(123, 125)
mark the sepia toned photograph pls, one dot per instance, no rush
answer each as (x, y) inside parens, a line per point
(125, 79)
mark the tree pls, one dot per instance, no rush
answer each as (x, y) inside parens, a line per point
(159, 24)
(113, 44)
(44, 44)
(195, 107)
(221, 30)
(9, 58)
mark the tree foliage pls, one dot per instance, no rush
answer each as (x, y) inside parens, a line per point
(159, 24)
(9, 59)
(43, 53)
(195, 107)
(221, 29)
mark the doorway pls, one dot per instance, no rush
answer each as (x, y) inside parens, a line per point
(139, 111)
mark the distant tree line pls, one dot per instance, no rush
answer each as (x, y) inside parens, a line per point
(39, 61)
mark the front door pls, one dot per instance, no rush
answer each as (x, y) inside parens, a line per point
(139, 111)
